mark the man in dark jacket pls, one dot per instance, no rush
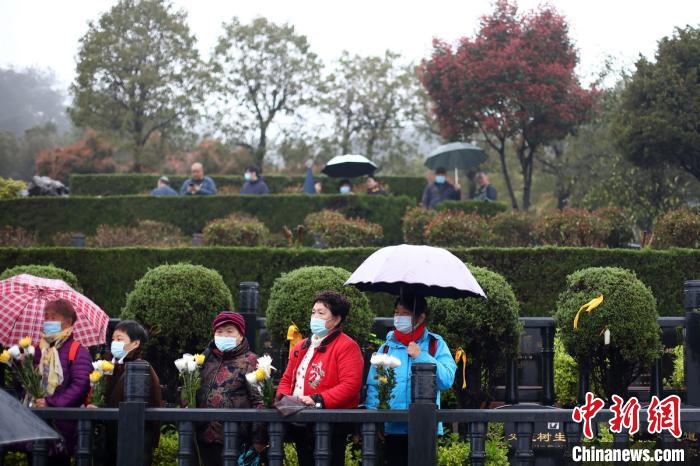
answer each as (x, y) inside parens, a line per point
(254, 184)
(373, 186)
(198, 183)
(439, 190)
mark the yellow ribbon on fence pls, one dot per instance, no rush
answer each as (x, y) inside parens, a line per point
(461, 355)
(588, 307)
(294, 336)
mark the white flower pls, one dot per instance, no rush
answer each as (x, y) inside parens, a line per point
(251, 378)
(180, 364)
(15, 352)
(30, 349)
(378, 359)
(191, 365)
(393, 362)
(265, 363)
(97, 366)
(188, 357)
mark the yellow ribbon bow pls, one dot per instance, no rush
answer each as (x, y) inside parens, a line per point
(461, 355)
(294, 336)
(588, 307)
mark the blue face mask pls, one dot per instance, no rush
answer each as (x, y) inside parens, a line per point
(51, 327)
(344, 189)
(225, 343)
(117, 350)
(248, 176)
(318, 327)
(440, 179)
(403, 324)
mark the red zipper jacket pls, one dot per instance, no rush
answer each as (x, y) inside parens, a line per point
(334, 375)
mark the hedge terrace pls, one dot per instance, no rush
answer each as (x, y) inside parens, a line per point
(537, 275)
(120, 185)
(50, 215)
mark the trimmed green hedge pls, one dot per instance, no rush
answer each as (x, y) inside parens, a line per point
(50, 215)
(125, 184)
(483, 208)
(537, 275)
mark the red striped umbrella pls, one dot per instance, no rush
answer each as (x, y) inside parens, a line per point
(22, 301)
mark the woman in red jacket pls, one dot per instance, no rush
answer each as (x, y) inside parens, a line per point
(314, 374)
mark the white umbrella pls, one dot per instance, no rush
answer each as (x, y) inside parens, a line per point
(349, 166)
(419, 270)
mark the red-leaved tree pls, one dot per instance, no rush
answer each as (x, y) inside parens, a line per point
(514, 83)
(90, 154)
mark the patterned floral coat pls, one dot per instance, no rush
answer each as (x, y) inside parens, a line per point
(224, 386)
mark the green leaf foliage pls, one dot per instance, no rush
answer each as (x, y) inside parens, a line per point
(44, 271)
(677, 228)
(487, 329)
(47, 216)
(486, 209)
(139, 74)
(537, 275)
(236, 230)
(10, 188)
(335, 230)
(292, 296)
(628, 311)
(177, 304)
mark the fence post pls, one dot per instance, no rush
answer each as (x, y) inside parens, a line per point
(512, 383)
(547, 375)
(248, 298)
(197, 240)
(691, 302)
(583, 383)
(78, 240)
(132, 414)
(422, 415)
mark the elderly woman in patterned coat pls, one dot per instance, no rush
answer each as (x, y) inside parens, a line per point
(224, 385)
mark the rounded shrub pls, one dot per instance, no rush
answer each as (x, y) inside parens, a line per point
(572, 227)
(512, 228)
(487, 329)
(619, 225)
(335, 230)
(17, 237)
(44, 271)
(236, 230)
(414, 223)
(291, 300)
(454, 229)
(177, 304)
(628, 310)
(10, 188)
(677, 228)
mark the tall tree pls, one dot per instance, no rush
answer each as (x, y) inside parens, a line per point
(370, 99)
(514, 82)
(30, 97)
(263, 70)
(138, 73)
(659, 120)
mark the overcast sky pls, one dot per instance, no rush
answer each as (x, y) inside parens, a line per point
(45, 33)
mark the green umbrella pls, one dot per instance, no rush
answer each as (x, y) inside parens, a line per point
(456, 156)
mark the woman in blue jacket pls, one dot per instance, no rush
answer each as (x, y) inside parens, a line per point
(410, 342)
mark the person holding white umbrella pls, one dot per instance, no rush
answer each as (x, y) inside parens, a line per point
(411, 342)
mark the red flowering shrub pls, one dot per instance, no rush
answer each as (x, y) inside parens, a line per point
(91, 154)
(455, 229)
(572, 227)
(677, 228)
(414, 223)
(236, 230)
(512, 228)
(620, 224)
(335, 230)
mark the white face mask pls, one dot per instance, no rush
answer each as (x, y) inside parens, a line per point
(403, 324)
